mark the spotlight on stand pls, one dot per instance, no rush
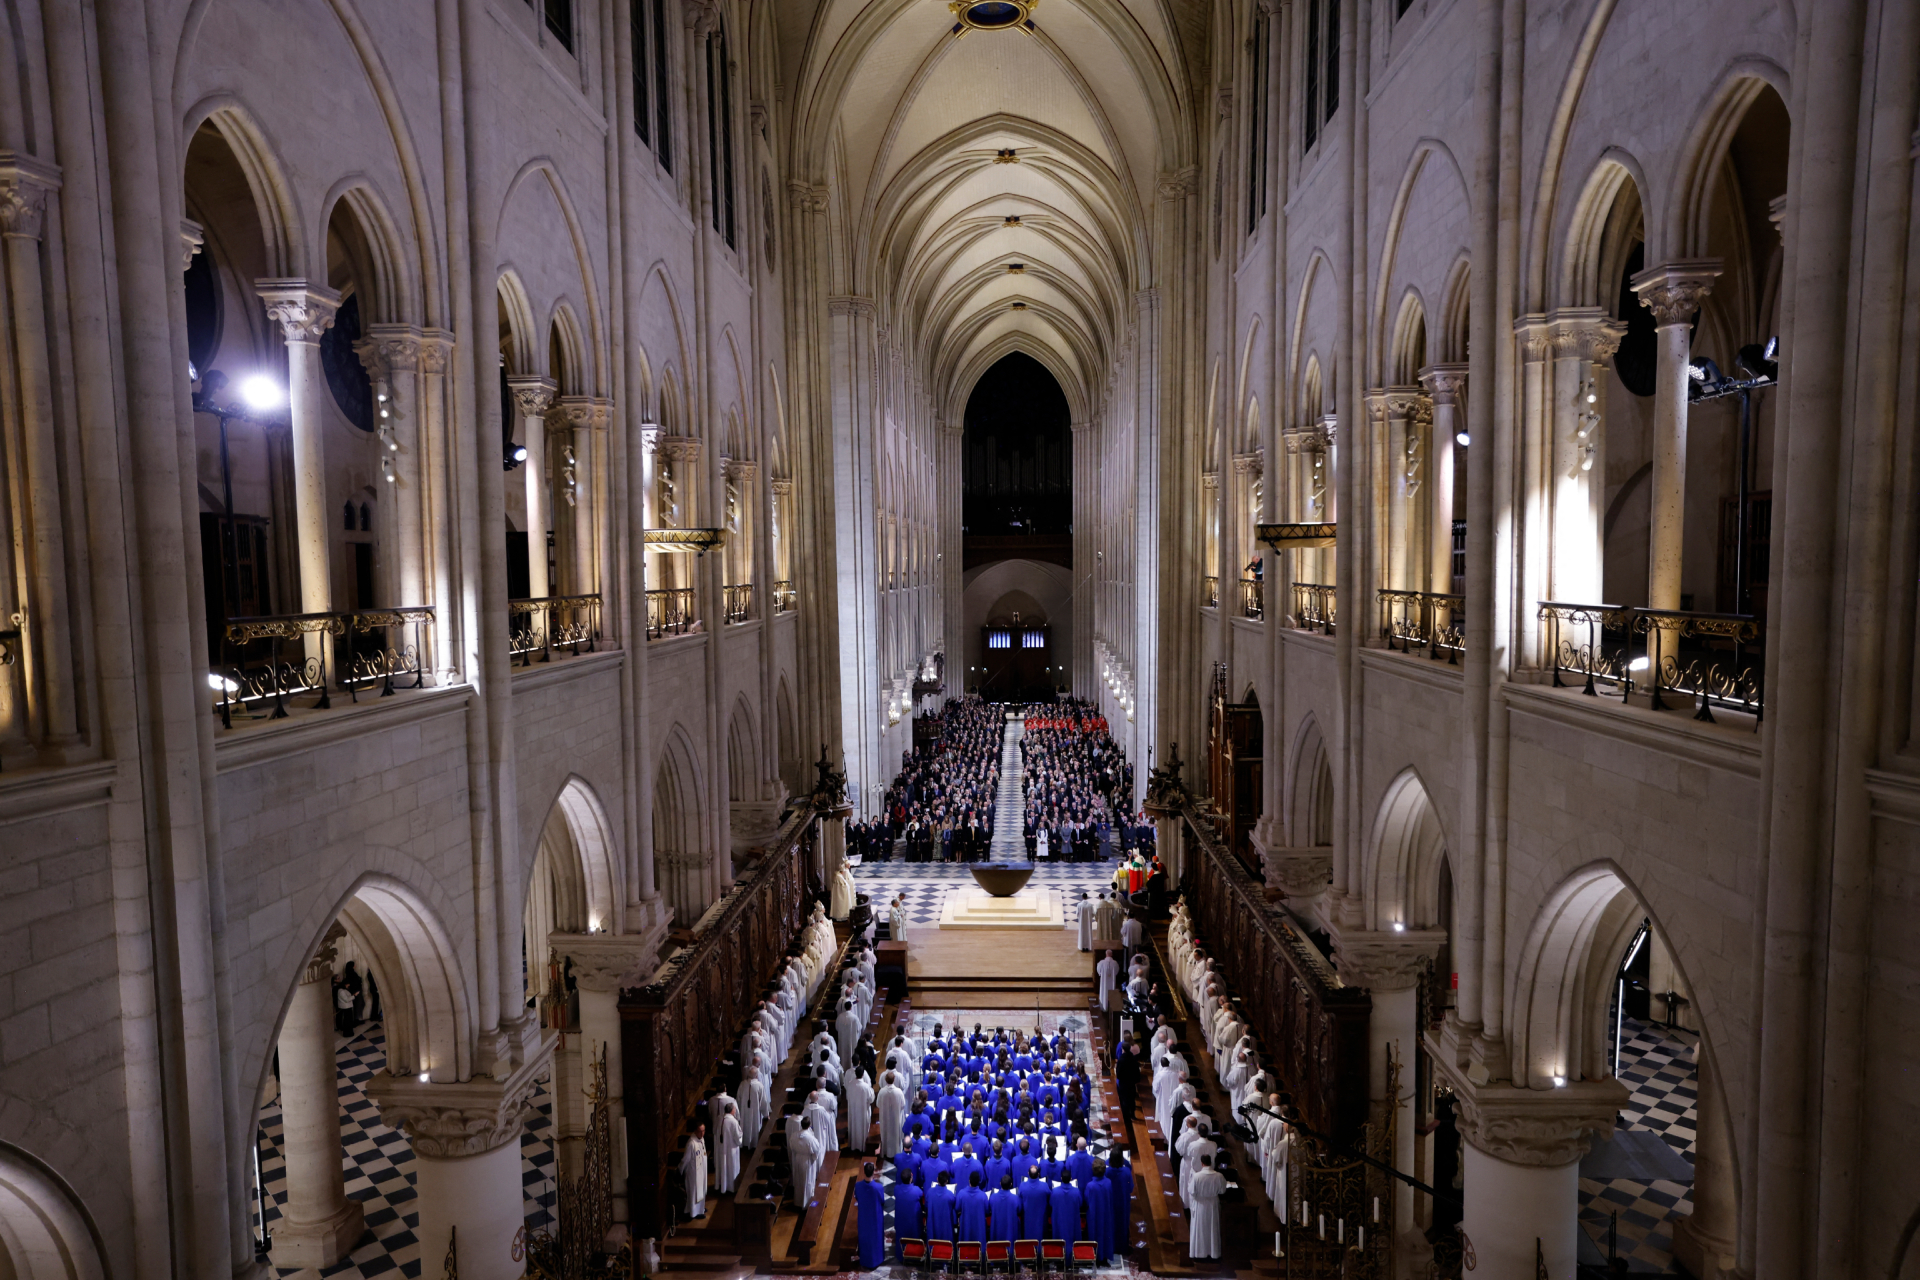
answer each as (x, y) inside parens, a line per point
(1761, 362)
(515, 455)
(1462, 439)
(262, 393)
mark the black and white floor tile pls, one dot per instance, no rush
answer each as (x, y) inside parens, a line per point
(1657, 1065)
(926, 885)
(379, 1167)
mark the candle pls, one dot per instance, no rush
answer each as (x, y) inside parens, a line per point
(1303, 1213)
(1323, 1226)
(1276, 1244)
(1340, 1231)
(1363, 1239)
(1376, 1209)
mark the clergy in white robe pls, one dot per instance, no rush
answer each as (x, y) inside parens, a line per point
(755, 1101)
(727, 1157)
(824, 1042)
(1188, 1135)
(1203, 1222)
(693, 1168)
(826, 1068)
(1109, 971)
(1107, 923)
(823, 1110)
(805, 1154)
(1202, 1148)
(893, 1114)
(1084, 921)
(859, 1093)
(847, 1028)
(842, 894)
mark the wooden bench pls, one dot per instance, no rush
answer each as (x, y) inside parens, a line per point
(808, 1232)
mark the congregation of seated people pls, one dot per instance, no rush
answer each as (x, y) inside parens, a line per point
(941, 806)
(989, 1140)
(1076, 784)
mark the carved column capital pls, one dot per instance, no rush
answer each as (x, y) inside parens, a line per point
(579, 412)
(1298, 873)
(389, 347)
(1534, 336)
(532, 395)
(449, 1121)
(702, 16)
(436, 347)
(320, 967)
(193, 238)
(1210, 480)
(782, 486)
(1406, 402)
(1541, 1128)
(849, 305)
(1673, 291)
(25, 184)
(806, 197)
(1249, 464)
(1178, 184)
(610, 961)
(303, 310)
(1586, 333)
(739, 468)
(1444, 382)
(1382, 960)
(677, 448)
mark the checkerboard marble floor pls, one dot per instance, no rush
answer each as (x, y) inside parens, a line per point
(1657, 1065)
(926, 885)
(379, 1166)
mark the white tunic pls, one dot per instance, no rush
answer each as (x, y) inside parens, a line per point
(847, 1028)
(893, 1117)
(1085, 922)
(859, 1110)
(1109, 971)
(693, 1167)
(728, 1155)
(1203, 1226)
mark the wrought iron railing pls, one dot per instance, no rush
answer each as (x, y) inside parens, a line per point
(738, 602)
(542, 624)
(1313, 607)
(1709, 659)
(347, 651)
(669, 612)
(784, 597)
(573, 1248)
(1210, 592)
(1251, 598)
(1430, 620)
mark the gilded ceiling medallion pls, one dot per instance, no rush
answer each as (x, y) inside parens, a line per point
(992, 15)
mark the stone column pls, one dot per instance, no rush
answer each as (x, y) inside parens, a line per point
(1703, 1241)
(1401, 466)
(1445, 384)
(466, 1159)
(532, 396)
(304, 312)
(1517, 602)
(579, 470)
(25, 187)
(319, 1225)
(1583, 338)
(1673, 292)
(603, 963)
(434, 433)
(1521, 1154)
(391, 355)
(1389, 964)
(1247, 471)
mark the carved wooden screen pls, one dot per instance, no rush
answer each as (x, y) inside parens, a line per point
(675, 1030)
(1312, 1031)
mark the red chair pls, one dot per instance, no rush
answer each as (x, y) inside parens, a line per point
(1083, 1254)
(914, 1253)
(1001, 1253)
(1026, 1252)
(1053, 1251)
(970, 1252)
(939, 1253)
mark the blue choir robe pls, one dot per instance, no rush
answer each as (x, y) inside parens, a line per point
(1120, 1181)
(964, 1167)
(921, 1146)
(908, 1200)
(939, 1213)
(996, 1168)
(870, 1204)
(905, 1165)
(973, 1214)
(1034, 1194)
(1064, 1207)
(1080, 1169)
(1003, 1212)
(930, 1170)
(1023, 1062)
(1099, 1197)
(1049, 1093)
